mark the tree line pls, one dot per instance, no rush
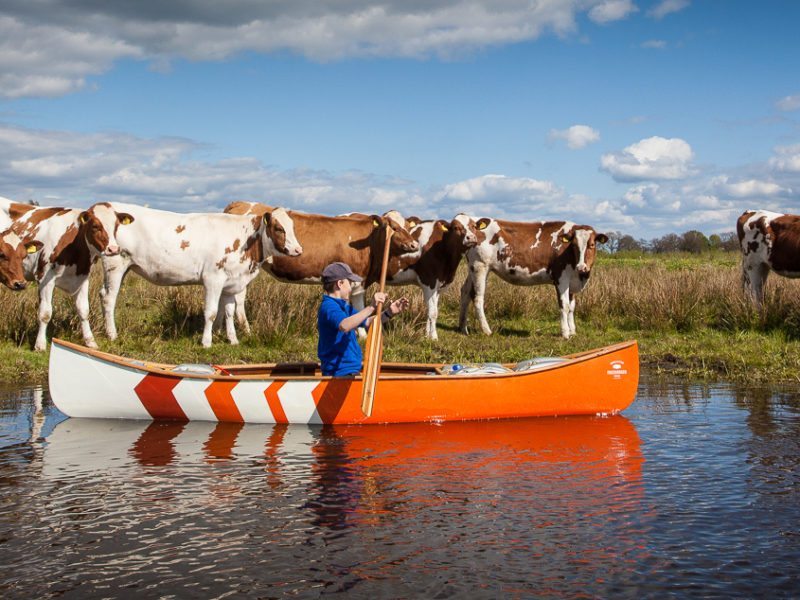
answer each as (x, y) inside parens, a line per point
(692, 241)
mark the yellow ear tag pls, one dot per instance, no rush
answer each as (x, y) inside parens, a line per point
(83, 219)
(126, 220)
(444, 227)
(565, 239)
(483, 225)
(375, 223)
(31, 249)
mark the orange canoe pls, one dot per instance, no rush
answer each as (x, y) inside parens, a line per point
(90, 383)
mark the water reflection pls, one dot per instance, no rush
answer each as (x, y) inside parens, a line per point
(695, 488)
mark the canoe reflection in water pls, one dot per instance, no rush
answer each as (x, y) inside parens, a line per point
(355, 475)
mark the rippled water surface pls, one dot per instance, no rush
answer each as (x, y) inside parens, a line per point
(693, 492)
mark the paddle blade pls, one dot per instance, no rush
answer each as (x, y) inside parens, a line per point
(372, 363)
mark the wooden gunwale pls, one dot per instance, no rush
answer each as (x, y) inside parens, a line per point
(248, 372)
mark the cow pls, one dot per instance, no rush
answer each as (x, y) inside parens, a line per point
(433, 265)
(221, 252)
(768, 240)
(559, 253)
(50, 246)
(355, 239)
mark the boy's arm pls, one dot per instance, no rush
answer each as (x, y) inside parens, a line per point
(355, 320)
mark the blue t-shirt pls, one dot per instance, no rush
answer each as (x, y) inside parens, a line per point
(338, 351)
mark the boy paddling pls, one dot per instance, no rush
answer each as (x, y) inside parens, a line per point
(338, 349)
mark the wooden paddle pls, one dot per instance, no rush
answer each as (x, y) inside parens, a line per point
(374, 348)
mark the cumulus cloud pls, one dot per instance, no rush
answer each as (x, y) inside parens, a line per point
(787, 159)
(49, 47)
(789, 103)
(576, 137)
(650, 159)
(611, 10)
(747, 188)
(75, 169)
(665, 7)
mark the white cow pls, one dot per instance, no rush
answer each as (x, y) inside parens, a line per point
(61, 259)
(221, 252)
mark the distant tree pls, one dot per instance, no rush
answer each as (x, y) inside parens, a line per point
(694, 241)
(715, 241)
(729, 242)
(630, 244)
(670, 242)
(612, 245)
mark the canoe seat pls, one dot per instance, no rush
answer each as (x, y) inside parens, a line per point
(538, 363)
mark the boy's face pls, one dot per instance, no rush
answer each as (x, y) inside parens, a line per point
(345, 287)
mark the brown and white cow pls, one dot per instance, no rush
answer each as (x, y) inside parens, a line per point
(355, 239)
(768, 240)
(62, 260)
(559, 253)
(223, 253)
(433, 265)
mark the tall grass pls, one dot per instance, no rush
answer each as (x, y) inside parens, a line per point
(628, 296)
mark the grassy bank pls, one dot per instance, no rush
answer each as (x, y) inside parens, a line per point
(687, 312)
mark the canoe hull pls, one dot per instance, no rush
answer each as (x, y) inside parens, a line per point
(85, 383)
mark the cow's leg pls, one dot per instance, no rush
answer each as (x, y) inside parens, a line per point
(81, 298)
(357, 299)
(241, 314)
(754, 276)
(481, 272)
(114, 269)
(213, 291)
(467, 294)
(228, 302)
(431, 296)
(563, 304)
(46, 287)
(571, 319)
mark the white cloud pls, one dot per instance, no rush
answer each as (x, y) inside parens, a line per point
(500, 188)
(787, 159)
(656, 44)
(747, 188)
(49, 48)
(789, 103)
(652, 158)
(611, 10)
(665, 7)
(576, 137)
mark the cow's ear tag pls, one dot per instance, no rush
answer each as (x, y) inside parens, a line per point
(411, 223)
(31, 249)
(483, 225)
(84, 218)
(565, 239)
(126, 220)
(376, 223)
(444, 227)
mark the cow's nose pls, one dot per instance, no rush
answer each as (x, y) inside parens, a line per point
(297, 251)
(583, 269)
(112, 250)
(19, 285)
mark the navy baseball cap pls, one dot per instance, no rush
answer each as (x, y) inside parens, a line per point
(339, 270)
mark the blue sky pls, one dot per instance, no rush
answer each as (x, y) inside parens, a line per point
(632, 116)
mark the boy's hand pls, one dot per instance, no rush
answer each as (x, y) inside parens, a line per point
(378, 298)
(398, 305)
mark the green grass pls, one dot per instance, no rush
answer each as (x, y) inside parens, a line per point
(687, 311)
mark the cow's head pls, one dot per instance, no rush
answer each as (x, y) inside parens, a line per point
(402, 241)
(13, 252)
(100, 224)
(468, 230)
(582, 242)
(278, 235)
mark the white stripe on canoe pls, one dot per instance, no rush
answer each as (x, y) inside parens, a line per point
(251, 401)
(190, 394)
(298, 403)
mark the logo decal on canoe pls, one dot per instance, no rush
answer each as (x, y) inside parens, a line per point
(617, 369)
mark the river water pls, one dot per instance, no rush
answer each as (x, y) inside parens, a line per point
(692, 492)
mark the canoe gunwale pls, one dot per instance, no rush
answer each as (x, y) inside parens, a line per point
(166, 369)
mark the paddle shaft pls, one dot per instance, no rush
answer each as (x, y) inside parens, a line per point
(374, 348)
